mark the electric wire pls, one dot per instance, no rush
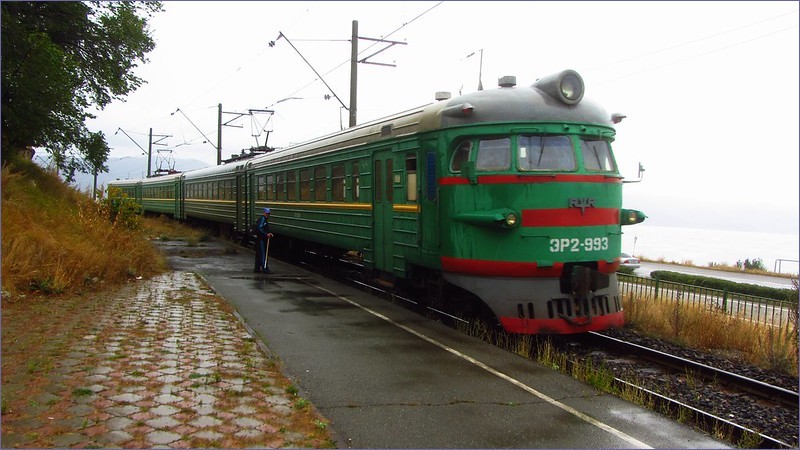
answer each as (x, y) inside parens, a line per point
(699, 55)
(266, 47)
(346, 61)
(694, 41)
(428, 10)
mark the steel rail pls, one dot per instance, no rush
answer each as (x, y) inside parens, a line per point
(756, 387)
(708, 420)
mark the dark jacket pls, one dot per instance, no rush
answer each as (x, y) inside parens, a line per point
(262, 228)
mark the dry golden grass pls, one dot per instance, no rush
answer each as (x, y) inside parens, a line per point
(56, 240)
(164, 228)
(697, 327)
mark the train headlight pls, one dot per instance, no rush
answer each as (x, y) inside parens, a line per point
(572, 87)
(495, 218)
(566, 86)
(511, 219)
(631, 217)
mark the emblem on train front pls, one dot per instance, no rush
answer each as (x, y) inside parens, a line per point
(581, 203)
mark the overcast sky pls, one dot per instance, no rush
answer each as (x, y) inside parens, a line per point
(710, 89)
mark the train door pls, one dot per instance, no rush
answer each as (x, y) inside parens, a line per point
(430, 199)
(176, 189)
(240, 197)
(181, 197)
(383, 216)
(250, 199)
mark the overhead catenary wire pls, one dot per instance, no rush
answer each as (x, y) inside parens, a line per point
(240, 67)
(320, 77)
(699, 55)
(281, 35)
(428, 8)
(693, 41)
(347, 61)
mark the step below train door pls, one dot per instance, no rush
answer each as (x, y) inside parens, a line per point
(383, 216)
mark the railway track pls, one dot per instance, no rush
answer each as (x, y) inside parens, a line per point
(759, 388)
(714, 387)
(737, 424)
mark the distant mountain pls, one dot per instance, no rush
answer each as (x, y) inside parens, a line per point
(128, 167)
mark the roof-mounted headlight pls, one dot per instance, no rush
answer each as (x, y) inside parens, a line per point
(566, 86)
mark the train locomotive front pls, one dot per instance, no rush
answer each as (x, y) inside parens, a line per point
(532, 196)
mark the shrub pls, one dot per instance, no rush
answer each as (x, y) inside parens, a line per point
(122, 210)
(626, 270)
(755, 264)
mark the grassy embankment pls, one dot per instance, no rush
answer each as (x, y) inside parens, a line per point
(58, 242)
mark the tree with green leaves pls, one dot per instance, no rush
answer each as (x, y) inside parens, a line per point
(59, 59)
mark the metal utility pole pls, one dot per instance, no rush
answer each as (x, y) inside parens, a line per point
(219, 134)
(354, 67)
(354, 75)
(149, 152)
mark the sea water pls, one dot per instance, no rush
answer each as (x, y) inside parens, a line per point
(778, 252)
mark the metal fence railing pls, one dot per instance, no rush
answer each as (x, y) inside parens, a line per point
(760, 310)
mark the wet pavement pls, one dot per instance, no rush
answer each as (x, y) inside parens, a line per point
(167, 364)
(387, 377)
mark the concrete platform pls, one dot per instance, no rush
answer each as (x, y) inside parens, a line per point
(388, 378)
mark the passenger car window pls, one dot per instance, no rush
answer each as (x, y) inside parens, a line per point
(305, 184)
(337, 183)
(320, 184)
(411, 177)
(597, 156)
(545, 153)
(494, 154)
(460, 156)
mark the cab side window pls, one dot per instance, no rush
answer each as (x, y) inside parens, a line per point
(460, 156)
(597, 156)
(494, 154)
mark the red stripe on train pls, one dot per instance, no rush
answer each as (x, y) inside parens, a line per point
(561, 326)
(512, 269)
(531, 179)
(569, 217)
(499, 268)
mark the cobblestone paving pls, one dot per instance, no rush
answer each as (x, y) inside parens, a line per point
(167, 365)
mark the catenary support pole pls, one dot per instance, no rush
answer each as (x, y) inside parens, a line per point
(219, 135)
(354, 74)
(149, 153)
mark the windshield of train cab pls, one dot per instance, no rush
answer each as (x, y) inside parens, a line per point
(534, 153)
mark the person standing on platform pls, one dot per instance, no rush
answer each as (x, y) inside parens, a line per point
(262, 245)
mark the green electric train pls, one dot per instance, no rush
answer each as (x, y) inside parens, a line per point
(506, 202)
